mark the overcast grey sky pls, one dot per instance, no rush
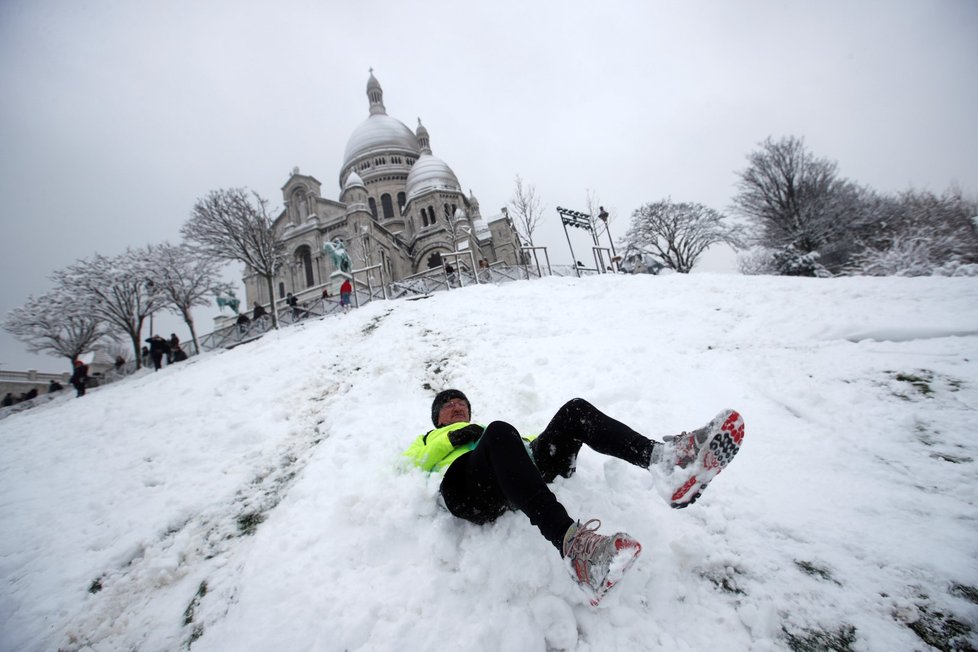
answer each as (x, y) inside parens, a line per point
(115, 116)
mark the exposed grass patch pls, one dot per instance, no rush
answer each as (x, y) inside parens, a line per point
(372, 325)
(954, 459)
(941, 631)
(969, 593)
(725, 579)
(816, 571)
(922, 383)
(95, 586)
(820, 640)
(248, 522)
(190, 612)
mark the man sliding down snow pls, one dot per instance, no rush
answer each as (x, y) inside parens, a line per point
(488, 470)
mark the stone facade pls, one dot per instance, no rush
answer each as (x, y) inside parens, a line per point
(400, 208)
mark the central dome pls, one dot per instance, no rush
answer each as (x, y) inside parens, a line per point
(380, 133)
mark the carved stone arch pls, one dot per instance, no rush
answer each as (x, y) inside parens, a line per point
(303, 260)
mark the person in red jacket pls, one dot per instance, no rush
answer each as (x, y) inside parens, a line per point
(489, 470)
(345, 291)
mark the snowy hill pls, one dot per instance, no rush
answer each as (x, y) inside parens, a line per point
(252, 499)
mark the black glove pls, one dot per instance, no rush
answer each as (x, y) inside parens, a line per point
(465, 435)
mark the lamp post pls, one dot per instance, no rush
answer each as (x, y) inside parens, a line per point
(150, 286)
(603, 216)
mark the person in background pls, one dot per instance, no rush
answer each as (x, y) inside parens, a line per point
(158, 348)
(242, 321)
(258, 313)
(294, 304)
(488, 470)
(79, 378)
(54, 386)
(345, 291)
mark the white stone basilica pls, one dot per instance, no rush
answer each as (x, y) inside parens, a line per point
(400, 207)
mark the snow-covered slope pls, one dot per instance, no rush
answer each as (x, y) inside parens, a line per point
(254, 499)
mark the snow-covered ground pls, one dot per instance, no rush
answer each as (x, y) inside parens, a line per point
(254, 499)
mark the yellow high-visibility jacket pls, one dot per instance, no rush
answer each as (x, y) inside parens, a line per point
(433, 451)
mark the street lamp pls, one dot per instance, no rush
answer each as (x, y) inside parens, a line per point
(603, 216)
(150, 286)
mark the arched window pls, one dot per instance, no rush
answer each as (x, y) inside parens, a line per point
(281, 290)
(303, 256)
(431, 214)
(388, 205)
(434, 260)
(401, 200)
(373, 207)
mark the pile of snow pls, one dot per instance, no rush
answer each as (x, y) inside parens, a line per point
(254, 499)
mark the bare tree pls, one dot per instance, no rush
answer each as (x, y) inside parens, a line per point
(526, 209)
(234, 224)
(677, 234)
(187, 279)
(121, 291)
(798, 201)
(47, 325)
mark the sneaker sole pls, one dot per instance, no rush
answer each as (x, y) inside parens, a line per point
(628, 551)
(728, 433)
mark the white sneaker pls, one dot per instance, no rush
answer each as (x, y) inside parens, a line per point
(598, 561)
(701, 454)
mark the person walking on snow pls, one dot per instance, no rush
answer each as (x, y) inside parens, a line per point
(488, 470)
(345, 291)
(79, 378)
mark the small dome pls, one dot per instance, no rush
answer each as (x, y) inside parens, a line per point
(380, 133)
(430, 173)
(352, 180)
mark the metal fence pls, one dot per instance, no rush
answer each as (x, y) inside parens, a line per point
(312, 305)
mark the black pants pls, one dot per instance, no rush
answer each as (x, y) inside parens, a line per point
(499, 474)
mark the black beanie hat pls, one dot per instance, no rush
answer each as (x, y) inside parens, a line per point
(444, 397)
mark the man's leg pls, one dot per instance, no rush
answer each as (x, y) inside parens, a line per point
(578, 422)
(497, 474)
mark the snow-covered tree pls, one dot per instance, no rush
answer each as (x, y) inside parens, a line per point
(46, 324)
(677, 233)
(121, 291)
(234, 224)
(918, 234)
(526, 211)
(798, 202)
(187, 279)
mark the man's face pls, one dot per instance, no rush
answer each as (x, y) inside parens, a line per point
(453, 411)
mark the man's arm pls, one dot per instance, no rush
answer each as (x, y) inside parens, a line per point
(428, 451)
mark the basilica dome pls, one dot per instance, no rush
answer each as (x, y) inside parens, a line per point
(380, 133)
(430, 173)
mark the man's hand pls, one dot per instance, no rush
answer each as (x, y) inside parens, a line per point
(465, 435)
